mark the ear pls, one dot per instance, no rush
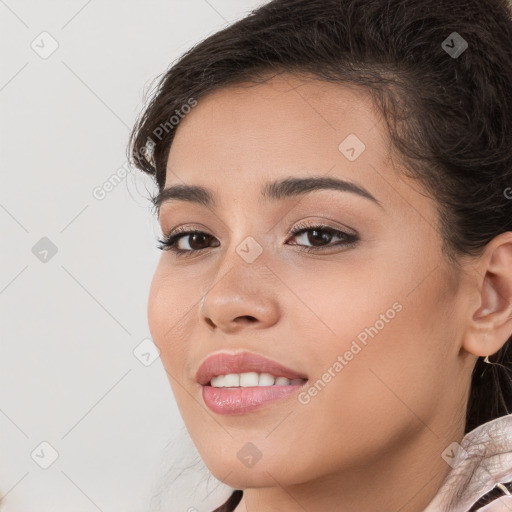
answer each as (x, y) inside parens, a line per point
(490, 325)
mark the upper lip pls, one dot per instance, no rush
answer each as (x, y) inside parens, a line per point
(223, 363)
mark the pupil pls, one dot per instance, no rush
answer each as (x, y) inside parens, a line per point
(323, 238)
(192, 242)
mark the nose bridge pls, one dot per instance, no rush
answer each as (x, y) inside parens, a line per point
(248, 242)
(243, 288)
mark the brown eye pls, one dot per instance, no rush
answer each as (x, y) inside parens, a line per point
(196, 241)
(322, 236)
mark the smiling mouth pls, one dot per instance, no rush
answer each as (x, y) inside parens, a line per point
(233, 381)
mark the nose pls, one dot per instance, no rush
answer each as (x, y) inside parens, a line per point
(242, 297)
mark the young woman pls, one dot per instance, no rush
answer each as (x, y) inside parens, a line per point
(333, 305)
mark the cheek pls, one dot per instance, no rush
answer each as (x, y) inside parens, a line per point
(403, 364)
(381, 395)
(167, 314)
(392, 338)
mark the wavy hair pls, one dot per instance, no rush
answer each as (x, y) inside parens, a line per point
(449, 114)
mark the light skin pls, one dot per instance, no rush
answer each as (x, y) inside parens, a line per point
(372, 438)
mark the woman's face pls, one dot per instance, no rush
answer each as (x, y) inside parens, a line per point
(381, 317)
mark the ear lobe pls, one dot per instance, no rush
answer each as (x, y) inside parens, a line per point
(491, 323)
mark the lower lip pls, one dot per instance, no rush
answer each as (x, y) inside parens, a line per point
(243, 400)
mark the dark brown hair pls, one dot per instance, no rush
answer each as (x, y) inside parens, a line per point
(449, 112)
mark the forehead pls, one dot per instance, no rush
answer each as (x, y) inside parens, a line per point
(283, 112)
(241, 136)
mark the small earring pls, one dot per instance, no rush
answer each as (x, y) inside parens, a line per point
(486, 360)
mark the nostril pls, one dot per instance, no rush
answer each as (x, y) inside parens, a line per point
(246, 318)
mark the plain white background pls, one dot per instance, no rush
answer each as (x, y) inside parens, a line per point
(78, 393)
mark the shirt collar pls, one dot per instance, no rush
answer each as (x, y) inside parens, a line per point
(480, 461)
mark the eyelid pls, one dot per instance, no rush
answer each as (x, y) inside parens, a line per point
(325, 223)
(294, 226)
(311, 220)
(192, 226)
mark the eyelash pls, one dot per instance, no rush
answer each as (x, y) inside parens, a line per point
(169, 243)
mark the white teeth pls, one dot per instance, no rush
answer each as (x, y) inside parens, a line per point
(232, 380)
(251, 379)
(266, 379)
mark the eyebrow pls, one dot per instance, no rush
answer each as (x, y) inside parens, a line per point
(275, 190)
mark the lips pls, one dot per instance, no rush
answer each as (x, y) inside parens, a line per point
(223, 363)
